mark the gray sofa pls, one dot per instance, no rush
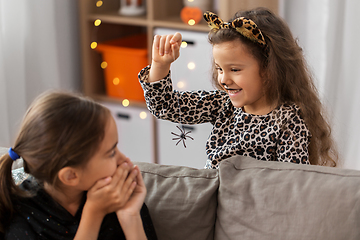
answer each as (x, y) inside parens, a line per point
(252, 199)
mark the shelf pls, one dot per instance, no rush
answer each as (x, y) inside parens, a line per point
(114, 17)
(104, 98)
(176, 23)
(170, 22)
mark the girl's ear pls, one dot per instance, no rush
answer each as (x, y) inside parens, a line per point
(69, 176)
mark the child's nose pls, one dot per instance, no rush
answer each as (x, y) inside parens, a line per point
(225, 79)
(122, 158)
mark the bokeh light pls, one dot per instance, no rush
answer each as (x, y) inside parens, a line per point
(191, 22)
(180, 84)
(104, 65)
(93, 45)
(191, 65)
(143, 115)
(116, 81)
(99, 3)
(125, 102)
(97, 22)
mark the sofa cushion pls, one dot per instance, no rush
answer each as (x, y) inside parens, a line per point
(182, 201)
(273, 200)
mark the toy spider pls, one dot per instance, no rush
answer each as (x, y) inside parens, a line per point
(182, 136)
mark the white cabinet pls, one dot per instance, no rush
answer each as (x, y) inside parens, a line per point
(193, 155)
(134, 130)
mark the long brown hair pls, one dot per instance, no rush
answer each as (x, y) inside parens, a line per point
(59, 129)
(286, 77)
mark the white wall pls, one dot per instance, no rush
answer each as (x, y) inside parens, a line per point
(39, 50)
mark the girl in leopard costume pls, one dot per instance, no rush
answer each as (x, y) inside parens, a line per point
(266, 105)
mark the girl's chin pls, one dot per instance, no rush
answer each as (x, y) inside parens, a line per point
(236, 104)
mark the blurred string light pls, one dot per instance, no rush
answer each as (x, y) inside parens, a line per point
(93, 45)
(191, 22)
(191, 65)
(116, 81)
(143, 115)
(100, 3)
(104, 65)
(180, 84)
(125, 102)
(183, 44)
(97, 22)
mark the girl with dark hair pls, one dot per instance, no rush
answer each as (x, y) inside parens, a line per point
(266, 105)
(80, 186)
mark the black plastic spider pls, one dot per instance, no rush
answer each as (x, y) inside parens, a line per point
(182, 136)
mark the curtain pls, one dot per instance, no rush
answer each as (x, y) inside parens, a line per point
(38, 51)
(327, 30)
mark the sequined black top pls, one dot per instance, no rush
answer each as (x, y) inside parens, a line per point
(40, 217)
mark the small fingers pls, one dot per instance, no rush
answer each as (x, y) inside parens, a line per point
(128, 191)
(177, 38)
(101, 183)
(126, 175)
(156, 42)
(127, 188)
(176, 50)
(131, 178)
(156, 46)
(120, 175)
(139, 178)
(162, 45)
(168, 48)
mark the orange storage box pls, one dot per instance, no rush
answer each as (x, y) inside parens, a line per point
(125, 57)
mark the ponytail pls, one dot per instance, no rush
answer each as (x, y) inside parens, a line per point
(8, 188)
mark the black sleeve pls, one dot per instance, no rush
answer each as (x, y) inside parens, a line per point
(147, 223)
(19, 229)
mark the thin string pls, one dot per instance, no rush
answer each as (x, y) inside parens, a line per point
(183, 134)
(178, 100)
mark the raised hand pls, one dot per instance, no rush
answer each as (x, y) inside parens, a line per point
(166, 49)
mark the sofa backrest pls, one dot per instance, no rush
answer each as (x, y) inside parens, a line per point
(253, 200)
(273, 200)
(182, 201)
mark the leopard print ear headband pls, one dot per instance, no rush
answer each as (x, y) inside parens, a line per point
(244, 26)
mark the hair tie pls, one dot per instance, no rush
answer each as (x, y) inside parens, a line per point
(14, 156)
(246, 27)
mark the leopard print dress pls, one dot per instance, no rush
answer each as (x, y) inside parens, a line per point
(280, 135)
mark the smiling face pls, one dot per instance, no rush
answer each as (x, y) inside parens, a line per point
(105, 160)
(239, 74)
